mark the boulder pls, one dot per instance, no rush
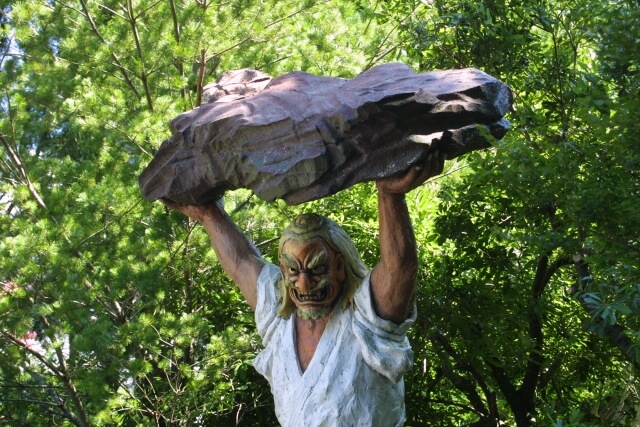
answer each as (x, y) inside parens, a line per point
(301, 137)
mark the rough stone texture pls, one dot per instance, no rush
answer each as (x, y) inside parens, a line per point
(303, 137)
(236, 84)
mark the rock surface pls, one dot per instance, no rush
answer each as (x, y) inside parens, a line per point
(301, 137)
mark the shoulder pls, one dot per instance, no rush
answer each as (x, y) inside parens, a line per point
(270, 273)
(267, 284)
(365, 309)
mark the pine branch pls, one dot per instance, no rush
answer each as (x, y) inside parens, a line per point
(176, 23)
(115, 58)
(71, 389)
(15, 159)
(294, 13)
(18, 342)
(201, 77)
(143, 73)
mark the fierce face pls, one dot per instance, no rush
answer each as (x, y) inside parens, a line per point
(314, 275)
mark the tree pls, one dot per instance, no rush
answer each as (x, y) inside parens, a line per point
(112, 311)
(536, 238)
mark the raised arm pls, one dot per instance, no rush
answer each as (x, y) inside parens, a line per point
(393, 280)
(239, 258)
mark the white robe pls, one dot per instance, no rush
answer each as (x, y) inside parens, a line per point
(355, 375)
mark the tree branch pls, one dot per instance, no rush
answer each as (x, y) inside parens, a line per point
(523, 408)
(536, 357)
(71, 389)
(116, 60)
(17, 162)
(18, 342)
(201, 77)
(143, 73)
(462, 383)
(540, 280)
(57, 401)
(294, 13)
(555, 266)
(176, 23)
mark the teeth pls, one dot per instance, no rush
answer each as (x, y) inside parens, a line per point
(312, 296)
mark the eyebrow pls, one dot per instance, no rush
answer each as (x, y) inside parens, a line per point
(288, 261)
(319, 259)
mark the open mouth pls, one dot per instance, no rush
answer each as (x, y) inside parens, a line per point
(314, 296)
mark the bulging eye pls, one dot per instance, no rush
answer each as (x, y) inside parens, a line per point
(320, 269)
(292, 271)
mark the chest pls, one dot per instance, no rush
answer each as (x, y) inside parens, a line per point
(307, 337)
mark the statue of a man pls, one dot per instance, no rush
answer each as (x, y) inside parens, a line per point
(334, 333)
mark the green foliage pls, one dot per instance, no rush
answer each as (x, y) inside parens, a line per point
(505, 304)
(113, 311)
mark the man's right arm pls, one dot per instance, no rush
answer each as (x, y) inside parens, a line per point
(238, 256)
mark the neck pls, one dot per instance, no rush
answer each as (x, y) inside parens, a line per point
(312, 327)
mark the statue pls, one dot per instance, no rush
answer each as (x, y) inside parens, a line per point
(334, 333)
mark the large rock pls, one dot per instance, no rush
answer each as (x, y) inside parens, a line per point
(304, 137)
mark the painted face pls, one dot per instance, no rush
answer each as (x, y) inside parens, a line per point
(313, 274)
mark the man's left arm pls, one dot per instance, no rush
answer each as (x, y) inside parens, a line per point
(393, 279)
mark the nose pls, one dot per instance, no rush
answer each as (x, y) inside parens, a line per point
(304, 283)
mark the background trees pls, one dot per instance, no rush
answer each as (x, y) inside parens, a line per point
(114, 312)
(537, 239)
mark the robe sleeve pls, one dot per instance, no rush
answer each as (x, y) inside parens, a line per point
(383, 343)
(267, 304)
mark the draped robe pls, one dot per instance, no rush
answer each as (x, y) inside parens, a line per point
(355, 375)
